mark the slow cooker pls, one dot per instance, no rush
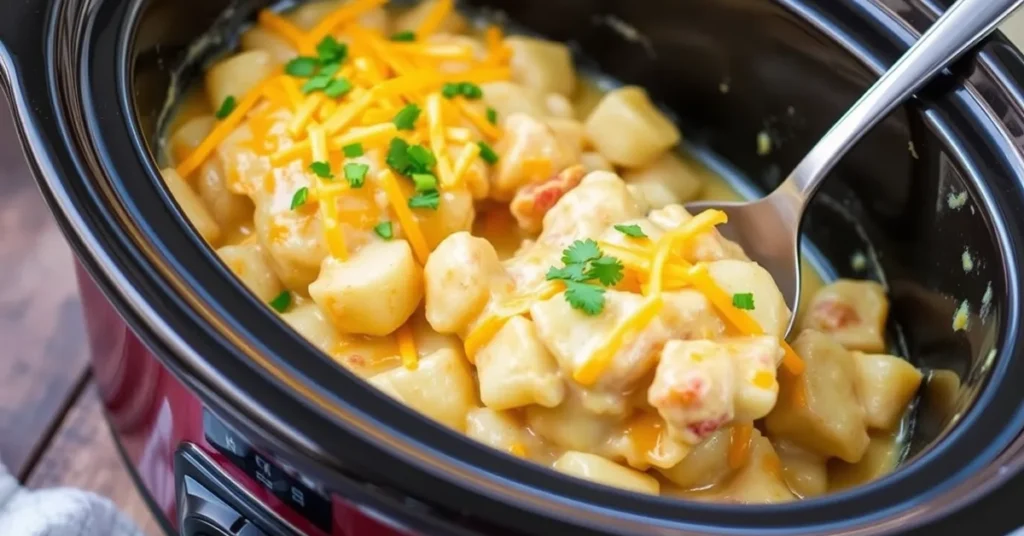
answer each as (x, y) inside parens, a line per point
(233, 424)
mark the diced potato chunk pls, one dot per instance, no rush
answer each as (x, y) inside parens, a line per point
(516, 370)
(760, 481)
(600, 200)
(373, 292)
(236, 75)
(559, 106)
(806, 473)
(189, 135)
(819, 409)
(707, 464)
(852, 312)
(459, 277)
(249, 263)
(308, 15)
(644, 442)
(509, 98)
(705, 247)
(497, 429)
(880, 458)
(570, 425)
(593, 161)
(441, 387)
(528, 152)
(569, 133)
(258, 38)
(629, 130)
(885, 385)
(701, 386)
(664, 182)
(310, 322)
(410, 21)
(190, 203)
(541, 65)
(294, 239)
(227, 207)
(740, 277)
(607, 472)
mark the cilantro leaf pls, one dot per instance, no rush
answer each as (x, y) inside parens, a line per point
(580, 252)
(353, 150)
(631, 230)
(226, 107)
(321, 169)
(429, 199)
(406, 118)
(299, 197)
(355, 174)
(607, 270)
(338, 87)
(487, 153)
(572, 272)
(302, 67)
(585, 297)
(281, 302)
(403, 36)
(330, 50)
(398, 156)
(743, 300)
(384, 230)
(492, 115)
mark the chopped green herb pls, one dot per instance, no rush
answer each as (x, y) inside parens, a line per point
(330, 50)
(403, 36)
(383, 230)
(398, 156)
(226, 107)
(427, 199)
(492, 115)
(316, 83)
(450, 90)
(406, 118)
(321, 169)
(299, 198)
(631, 230)
(581, 251)
(743, 301)
(338, 87)
(422, 157)
(302, 67)
(585, 264)
(354, 150)
(355, 174)
(281, 302)
(424, 182)
(470, 90)
(585, 297)
(329, 69)
(487, 153)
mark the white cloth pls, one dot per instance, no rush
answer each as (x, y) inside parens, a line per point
(58, 512)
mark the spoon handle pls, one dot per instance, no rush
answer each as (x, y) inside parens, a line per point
(960, 28)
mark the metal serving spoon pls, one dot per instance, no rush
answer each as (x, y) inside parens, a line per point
(769, 228)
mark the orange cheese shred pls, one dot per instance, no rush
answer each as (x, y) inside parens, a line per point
(479, 121)
(435, 17)
(346, 13)
(599, 361)
(277, 24)
(437, 140)
(739, 445)
(407, 347)
(466, 158)
(291, 89)
(441, 51)
(487, 328)
(334, 235)
(347, 113)
(400, 206)
(304, 113)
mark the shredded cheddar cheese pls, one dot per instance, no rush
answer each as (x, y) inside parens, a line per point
(596, 364)
(328, 209)
(492, 323)
(407, 347)
(467, 157)
(346, 13)
(436, 128)
(435, 17)
(740, 445)
(274, 23)
(400, 206)
(479, 121)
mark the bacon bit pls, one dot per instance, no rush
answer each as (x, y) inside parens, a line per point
(533, 201)
(355, 360)
(832, 314)
(704, 428)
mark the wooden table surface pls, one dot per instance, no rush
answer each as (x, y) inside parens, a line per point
(46, 398)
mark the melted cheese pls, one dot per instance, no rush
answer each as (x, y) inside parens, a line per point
(407, 347)
(740, 445)
(487, 328)
(599, 361)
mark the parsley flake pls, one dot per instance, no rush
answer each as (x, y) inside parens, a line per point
(405, 36)
(406, 118)
(633, 231)
(338, 87)
(302, 67)
(743, 301)
(429, 199)
(299, 198)
(329, 50)
(321, 169)
(585, 297)
(384, 230)
(281, 302)
(354, 150)
(487, 153)
(226, 107)
(355, 174)
(492, 115)
(580, 252)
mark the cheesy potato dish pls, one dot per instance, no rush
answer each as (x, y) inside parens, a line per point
(457, 216)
